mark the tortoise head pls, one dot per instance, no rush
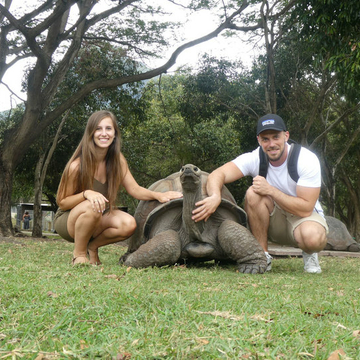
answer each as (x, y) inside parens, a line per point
(190, 177)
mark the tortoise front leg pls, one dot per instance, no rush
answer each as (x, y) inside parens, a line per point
(162, 249)
(241, 245)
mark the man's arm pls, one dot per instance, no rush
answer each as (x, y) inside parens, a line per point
(301, 205)
(222, 175)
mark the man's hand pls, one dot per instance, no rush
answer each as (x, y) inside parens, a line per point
(206, 207)
(261, 186)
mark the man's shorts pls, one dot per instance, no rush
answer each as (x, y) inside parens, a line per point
(283, 224)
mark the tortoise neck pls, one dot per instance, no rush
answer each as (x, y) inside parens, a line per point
(194, 229)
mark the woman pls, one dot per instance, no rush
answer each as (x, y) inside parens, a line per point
(88, 188)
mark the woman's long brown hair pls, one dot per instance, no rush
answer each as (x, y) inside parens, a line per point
(86, 152)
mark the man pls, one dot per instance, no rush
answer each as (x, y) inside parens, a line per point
(278, 208)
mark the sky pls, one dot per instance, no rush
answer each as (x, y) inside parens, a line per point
(197, 25)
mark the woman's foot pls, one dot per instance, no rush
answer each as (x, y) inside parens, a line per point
(78, 260)
(94, 257)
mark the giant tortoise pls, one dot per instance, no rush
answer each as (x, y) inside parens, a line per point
(166, 234)
(339, 237)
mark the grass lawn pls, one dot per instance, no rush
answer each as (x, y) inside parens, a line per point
(51, 310)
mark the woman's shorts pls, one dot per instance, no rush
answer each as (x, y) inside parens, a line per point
(60, 225)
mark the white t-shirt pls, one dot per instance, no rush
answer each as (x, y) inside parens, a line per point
(308, 168)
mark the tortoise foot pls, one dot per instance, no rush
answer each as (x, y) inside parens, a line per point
(240, 245)
(162, 249)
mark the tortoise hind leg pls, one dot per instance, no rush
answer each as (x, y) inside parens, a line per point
(240, 245)
(162, 249)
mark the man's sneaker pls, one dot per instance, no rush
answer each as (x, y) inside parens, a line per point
(268, 258)
(311, 263)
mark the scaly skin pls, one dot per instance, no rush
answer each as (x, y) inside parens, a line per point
(163, 249)
(218, 238)
(240, 245)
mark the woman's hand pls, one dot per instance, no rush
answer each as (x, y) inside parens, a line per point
(97, 200)
(167, 196)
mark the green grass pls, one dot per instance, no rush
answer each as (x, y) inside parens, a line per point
(51, 310)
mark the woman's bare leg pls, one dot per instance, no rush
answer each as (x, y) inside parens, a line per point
(82, 223)
(113, 227)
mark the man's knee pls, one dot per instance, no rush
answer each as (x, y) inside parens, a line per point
(311, 236)
(254, 200)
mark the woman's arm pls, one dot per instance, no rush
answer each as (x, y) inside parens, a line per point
(70, 200)
(141, 193)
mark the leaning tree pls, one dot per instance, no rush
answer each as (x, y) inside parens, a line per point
(50, 34)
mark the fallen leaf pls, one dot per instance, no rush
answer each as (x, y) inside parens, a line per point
(356, 334)
(224, 314)
(67, 352)
(14, 341)
(128, 269)
(258, 317)
(83, 345)
(306, 354)
(124, 356)
(335, 355)
(9, 251)
(202, 341)
(112, 276)
(341, 326)
(52, 294)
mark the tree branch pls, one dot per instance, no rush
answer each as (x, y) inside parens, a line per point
(112, 83)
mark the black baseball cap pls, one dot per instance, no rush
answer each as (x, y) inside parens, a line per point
(270, 122)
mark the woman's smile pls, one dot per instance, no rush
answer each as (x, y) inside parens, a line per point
(104, 133)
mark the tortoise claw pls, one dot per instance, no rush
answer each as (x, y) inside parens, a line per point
(251, 269)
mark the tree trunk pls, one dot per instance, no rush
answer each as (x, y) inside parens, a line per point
(40, 174)
(6, 175)
(353, 223)
(329, 190)
(356, 233)
(37, 222)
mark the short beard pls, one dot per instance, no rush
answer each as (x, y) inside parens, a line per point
(278, 158)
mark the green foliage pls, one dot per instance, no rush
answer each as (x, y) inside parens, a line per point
(203, 92)
(9, 120)
(332, 29)
(167, 139)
